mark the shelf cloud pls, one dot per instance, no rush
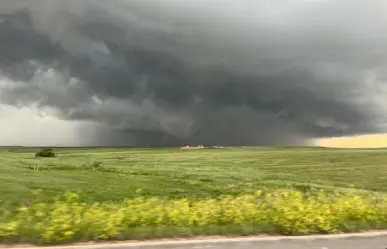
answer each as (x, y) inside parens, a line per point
(169, 72)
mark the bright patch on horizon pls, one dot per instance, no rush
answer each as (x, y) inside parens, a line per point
(363, 141)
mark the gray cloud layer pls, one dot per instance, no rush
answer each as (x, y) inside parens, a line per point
(204, 71)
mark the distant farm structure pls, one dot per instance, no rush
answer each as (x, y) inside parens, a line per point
(198, 147)
(187, 147)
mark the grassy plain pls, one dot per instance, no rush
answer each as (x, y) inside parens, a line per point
(232, 191)
(195, 174)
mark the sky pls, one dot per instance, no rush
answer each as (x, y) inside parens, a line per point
(171, 72)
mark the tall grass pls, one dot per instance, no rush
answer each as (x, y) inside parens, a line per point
(66, 219)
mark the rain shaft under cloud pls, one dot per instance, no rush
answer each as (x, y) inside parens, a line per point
(168, 72)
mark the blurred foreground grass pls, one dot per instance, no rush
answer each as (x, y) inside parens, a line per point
(66, 219)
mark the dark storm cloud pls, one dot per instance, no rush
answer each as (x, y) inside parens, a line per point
(218, 71)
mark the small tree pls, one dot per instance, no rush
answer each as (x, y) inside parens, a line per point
(45, 153)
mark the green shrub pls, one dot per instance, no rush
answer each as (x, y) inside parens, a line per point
(45, 153)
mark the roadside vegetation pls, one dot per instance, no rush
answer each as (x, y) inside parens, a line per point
(66, 219)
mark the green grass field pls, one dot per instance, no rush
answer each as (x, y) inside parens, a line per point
(173, 173)
(238, 191)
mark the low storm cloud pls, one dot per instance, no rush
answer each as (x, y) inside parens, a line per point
(169, 72)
